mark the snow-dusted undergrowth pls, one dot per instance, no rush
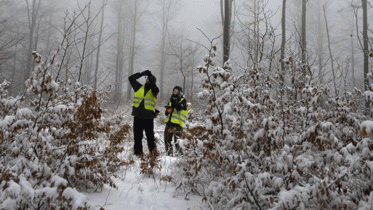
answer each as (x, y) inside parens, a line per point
(49, 144)
(301, 150)
(251, 148)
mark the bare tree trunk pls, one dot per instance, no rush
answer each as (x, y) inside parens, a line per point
(132, 53)
(68, 59)
(256, 34)
(356, 19)
(165, 21)
(88, 64)
(192, 74)
(14, 70)
(283, 36)
(222, 12)
(303, 38)
(163, 60)
(167, 15)
(320, 44)
(227, 29)
(353, 60)
(184, 77)
(119, 62)
(99, 43)
(192, 84)
(282, 80)
(36, 32)
(49, 35)
(366, 53)
(86, 36)
(32, 23)
(365, 43)
(330, 53)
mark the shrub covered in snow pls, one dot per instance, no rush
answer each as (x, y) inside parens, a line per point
(49, 144)
(256, 150)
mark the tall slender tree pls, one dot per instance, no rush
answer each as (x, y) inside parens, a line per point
(120, 56)
(365, 43)
(330, 53)
(193, 59)
(282, 77)
(132, 50)
(32, 13)
(365, 48)
(182, 51)
(99, 42)
(353, 59)
(283, 36)
(167, 15)
(256, 27)
(320, 43)
(163, 46)
(88, 20)
(226, 19)
(14, 69)
(303, 35)
(88, 63)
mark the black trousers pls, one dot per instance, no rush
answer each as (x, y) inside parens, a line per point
(172, 131)
(139, 125)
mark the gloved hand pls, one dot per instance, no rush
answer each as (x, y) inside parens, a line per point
(146, 73)
(168, 110)
(152, 79)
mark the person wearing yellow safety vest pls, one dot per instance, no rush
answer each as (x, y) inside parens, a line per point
(176, 112)
(143, 110)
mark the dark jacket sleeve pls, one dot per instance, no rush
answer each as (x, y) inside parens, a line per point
(133, 81)
(155, 89)
(181, 105)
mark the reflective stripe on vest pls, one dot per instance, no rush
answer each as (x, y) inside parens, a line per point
(177, 117)
(149, 99)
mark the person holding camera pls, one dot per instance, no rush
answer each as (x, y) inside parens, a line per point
(143, 110)
(176, 112)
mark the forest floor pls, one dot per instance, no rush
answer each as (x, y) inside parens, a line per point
(142, 191)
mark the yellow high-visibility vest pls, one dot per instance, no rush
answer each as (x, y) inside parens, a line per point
(178, 117)
(149, 99)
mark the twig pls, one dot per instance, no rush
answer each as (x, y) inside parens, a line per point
(210, 205)
(336, 180)
(127, 191)
(107, 197)
(198, 44)
(251, 192)
(186, 196)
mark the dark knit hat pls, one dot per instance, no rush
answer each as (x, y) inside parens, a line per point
(179, 88)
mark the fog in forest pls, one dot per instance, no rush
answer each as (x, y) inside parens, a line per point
(273, 108)
(101, 43)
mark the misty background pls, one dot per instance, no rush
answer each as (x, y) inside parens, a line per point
(280, 115)
(100, 43)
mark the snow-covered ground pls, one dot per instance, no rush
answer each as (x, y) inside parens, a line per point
(139, 191)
